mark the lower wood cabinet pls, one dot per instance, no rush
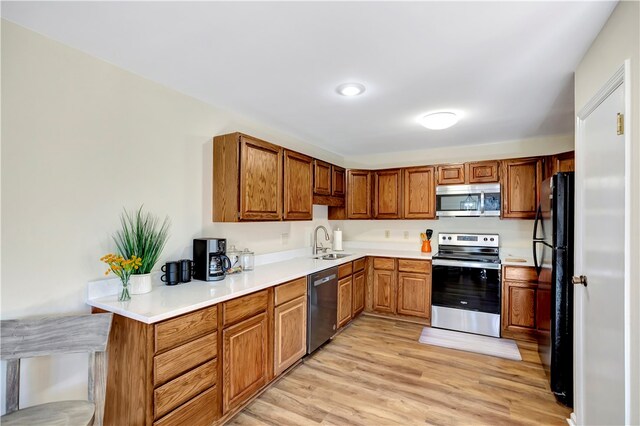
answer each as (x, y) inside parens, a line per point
(519, 299)
(358, 294)
(400, 287)
(344, 300)
(245, 349)
(290, 324)
(414, 294)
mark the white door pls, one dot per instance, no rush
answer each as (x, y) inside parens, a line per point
(600, 256)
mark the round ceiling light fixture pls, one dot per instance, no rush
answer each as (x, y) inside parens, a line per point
(439, 120)
(350, 89)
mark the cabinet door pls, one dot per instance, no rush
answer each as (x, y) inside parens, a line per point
(344, 300)
(521, 182)
(359, 285)
(245, 360)
(419, 193)
(290, 333)
(414, 294)
(337, 181)
(321, 178)
(482, 172)
(451, 174)
(564, 162)
(358, 194)
(260, 180)
(519, 309)
(384, 291)
(298, 186)
(387, 194)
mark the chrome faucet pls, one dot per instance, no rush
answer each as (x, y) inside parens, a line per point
(317, 247)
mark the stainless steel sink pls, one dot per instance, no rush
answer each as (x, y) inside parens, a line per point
(334, 256)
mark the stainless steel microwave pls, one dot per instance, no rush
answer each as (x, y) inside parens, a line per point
(468, 200)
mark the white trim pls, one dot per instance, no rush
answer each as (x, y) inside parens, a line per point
(622, 75)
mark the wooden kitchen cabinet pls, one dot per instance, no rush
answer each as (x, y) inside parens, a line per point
(359, 287)
(564, 162)
(245, 360)
(290, 324)
(414, 293)
(521, 183)
(344, 300)
(449, 174)
(482, 172)
(384, 285)
(321, 177)
(248, 179)
(338, 175)
(359, 190)
(519, 294)
(419, 193)
(298, 186)
(163, 373)
(387, 194)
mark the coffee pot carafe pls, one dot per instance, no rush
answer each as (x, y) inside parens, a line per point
(209, 258)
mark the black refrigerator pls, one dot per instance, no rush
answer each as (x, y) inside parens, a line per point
(553, 258)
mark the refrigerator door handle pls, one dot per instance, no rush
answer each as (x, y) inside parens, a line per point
(535, 224)
(535, 257)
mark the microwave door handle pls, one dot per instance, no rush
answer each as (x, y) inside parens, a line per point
(482, 202)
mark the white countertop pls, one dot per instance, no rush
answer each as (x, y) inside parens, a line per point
(516, 256)
(165, 302)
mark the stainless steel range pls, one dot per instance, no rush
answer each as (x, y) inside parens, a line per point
(466, 283)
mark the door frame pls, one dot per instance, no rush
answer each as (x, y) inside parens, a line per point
(621, 76)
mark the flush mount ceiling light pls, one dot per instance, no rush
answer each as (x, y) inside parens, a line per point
(350, 89)
(439, 120)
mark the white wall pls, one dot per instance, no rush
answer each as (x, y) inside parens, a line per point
(81, 139)
(620, 40)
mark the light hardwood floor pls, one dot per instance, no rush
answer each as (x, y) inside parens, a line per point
(376, 373)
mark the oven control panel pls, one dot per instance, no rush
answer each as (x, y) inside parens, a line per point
(474, 240)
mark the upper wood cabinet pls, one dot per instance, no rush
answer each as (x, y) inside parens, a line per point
(387, 194)
(449, 174)
(321, 178)
(247, 179)
(358, 194)
(298, 183)
(482, 172)
(337, 181)
(521, 182)
(419, 193)
(557, 163)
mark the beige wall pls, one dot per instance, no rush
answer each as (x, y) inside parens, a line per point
(620, 40)
(81, 139)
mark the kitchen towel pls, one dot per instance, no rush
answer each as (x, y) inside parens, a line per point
(337, 240)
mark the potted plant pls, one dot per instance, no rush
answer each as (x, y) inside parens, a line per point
(142, 235)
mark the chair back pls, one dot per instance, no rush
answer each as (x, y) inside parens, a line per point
(27, 338)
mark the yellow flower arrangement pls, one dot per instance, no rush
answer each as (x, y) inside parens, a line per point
(123, 268)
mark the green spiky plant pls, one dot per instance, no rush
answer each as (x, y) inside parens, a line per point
(142, 235)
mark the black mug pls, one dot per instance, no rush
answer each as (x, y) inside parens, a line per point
(185, 270)
(170, 270)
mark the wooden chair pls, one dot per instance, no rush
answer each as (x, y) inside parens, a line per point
(27, 338)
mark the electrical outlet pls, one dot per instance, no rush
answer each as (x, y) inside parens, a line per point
(406, 235)
(387, 233)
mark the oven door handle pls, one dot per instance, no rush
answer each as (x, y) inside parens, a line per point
(463, 264)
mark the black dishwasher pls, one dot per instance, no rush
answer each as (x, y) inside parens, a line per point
(322, 307)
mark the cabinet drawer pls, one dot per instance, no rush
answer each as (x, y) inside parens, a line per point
(183, 358)
(243, 307)
(417, 266)
(345, 270)
(201, 410)
(179, 390)
(358, 265)
(518, 273)
(383, 263)
(177, 331)
(290, 290)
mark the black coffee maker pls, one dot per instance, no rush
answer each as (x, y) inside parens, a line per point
(210, 261)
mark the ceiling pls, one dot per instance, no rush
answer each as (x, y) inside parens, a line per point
(506, 66)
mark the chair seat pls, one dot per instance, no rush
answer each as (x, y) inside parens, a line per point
(67, 413)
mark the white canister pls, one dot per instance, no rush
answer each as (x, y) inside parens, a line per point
(337, 240)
